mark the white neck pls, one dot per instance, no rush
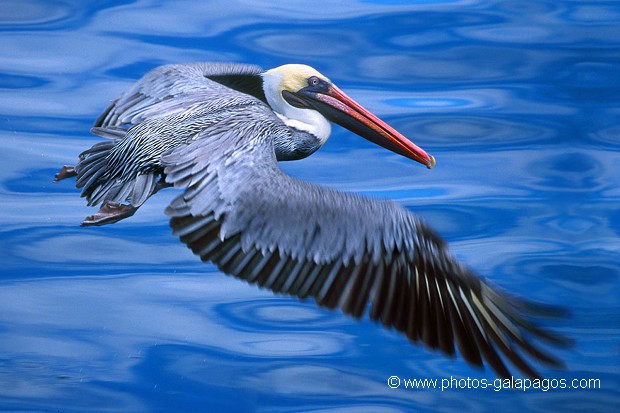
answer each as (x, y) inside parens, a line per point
(308, 120)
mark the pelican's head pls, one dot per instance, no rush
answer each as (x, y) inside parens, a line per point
(307, 100)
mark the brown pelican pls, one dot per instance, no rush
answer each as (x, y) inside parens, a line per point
(218, 130)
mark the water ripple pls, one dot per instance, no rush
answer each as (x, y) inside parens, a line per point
(28, 14)
(450, 131)
(573, 172)
(275, 315)
(609, 135)
(518, 101)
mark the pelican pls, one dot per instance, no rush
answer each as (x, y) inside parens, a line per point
(218, 130)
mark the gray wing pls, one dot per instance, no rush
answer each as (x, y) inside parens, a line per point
(166, 108)
(242, 212)
(172, 89)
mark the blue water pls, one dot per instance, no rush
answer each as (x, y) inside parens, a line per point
(518, 101)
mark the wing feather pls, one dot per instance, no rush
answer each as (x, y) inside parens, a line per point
(171, 89)
(357, 254)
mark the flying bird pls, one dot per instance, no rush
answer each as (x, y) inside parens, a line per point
(217, 130)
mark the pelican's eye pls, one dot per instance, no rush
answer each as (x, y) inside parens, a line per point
(313, 81)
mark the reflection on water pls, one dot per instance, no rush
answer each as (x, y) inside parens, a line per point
(517, 101)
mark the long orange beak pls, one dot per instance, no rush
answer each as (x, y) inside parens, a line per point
(339, 108)
(364, 123)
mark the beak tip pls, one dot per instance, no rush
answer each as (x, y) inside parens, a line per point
(431, 164)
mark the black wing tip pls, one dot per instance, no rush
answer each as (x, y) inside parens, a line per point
(510, 329)
(534, 310)
(527, 315)
(555, 339)
(540, 309)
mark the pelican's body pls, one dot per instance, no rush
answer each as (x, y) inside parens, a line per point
(218, 130)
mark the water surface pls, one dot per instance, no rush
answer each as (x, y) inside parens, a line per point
(518, 101)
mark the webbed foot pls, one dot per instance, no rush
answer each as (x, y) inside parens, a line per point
(67, 171)
(109, 213)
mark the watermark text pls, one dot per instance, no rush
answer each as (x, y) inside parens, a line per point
(513, 383)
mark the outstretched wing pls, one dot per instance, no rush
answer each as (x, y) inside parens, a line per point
(242, 212)
(172, 89)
